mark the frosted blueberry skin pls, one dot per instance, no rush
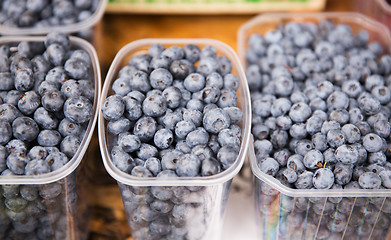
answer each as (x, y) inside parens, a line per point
(78, 109)
(323, 178)
(25, 129)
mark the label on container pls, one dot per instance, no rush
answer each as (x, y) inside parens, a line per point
(213, 6)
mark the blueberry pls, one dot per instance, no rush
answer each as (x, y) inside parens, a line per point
(368, 104)
(372, 142)
(174, 53)
(67, 127)
(207, 65)
(16, 162)
(298, 130)
(115, 127)
(254, 77)
(340, 116)
(335, 138)
(154, 105)
(132, 108)
(283, 86)
(377, 158)
(49, 138)
(351, 132)
(323, 178)
(146, 151)
(280, 107)
(56, 54)
(386, 178)
(25, 129)
(269, 166)
(76, 68)
(228, 98)
(45, 119)
(145, 128)
(304, 180)
(313, 159)
(216, 120)
(56, 75)
(228, 137)
(160, 78)
(303, 146)
(225, 65)
(170, 159)
(156, 49)
(163, 138)
(319, 141)
(337, 100)
(210, 167)
(71, 88)
(346, 154)
(16, 146)
(352, 88)
(192, 52)
(121, 86)
(53, 100)
(382, 128)
(24, 80)
(300, 112)
(5, 132)
(128, 142)
(7, 82)
(194, 82)
(180, 69)
(78, 109)
(369, 180)
(382, 93)
(28, 102)
(188, 165)
(57, 37)
(37, 167)
(196, 137)
(37, 152)
(154, 166)
(173, 96)
(216, 80)
(121, 159)
(69, 145)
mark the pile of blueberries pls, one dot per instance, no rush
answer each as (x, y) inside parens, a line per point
(321, 102)
(173, 113)
(46, 96)
(44, 13)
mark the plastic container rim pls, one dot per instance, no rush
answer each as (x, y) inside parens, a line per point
(182, 181)
(69, 28)
(76, 159)
(269, 180)
(385, 6)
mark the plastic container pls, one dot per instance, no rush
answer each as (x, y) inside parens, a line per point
(84, 27)
(379, 10)
(200, 201)
(57, 205)
(286, 213)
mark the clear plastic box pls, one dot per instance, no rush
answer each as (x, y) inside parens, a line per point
(54, 205)
(379, 10)
(84, 27)
(286, 213)
(203, 198)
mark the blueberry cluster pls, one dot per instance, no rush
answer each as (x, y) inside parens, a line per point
(173, 114)
(44, 13)
(46, 95)
(321, 120)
